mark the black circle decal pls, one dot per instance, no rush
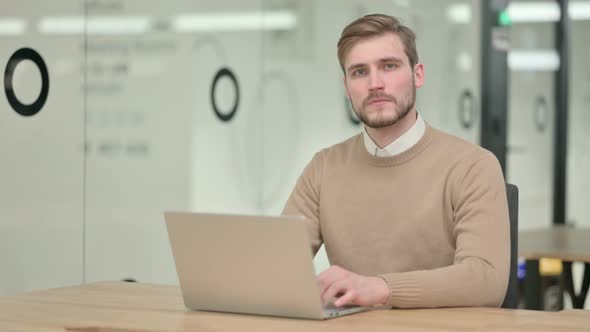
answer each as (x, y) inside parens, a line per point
(466, 109)
(18, 56)
(352, 117)
(541, 113)
(225, 116)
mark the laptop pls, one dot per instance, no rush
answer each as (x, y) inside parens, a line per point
(247, 264)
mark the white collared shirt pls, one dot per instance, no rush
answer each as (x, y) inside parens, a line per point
(401, 144)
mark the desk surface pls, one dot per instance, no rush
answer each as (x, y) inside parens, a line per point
(562, 242)
(130, 307)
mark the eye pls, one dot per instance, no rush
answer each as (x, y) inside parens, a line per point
(390, 66)
(358, 72)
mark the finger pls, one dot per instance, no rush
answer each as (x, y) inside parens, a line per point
(335, 289)
(348, 298)
(326, 278)
(324, 293)
(323, 283)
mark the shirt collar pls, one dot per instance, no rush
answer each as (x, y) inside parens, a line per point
(401, 144)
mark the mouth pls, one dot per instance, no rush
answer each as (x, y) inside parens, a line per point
(378, 101)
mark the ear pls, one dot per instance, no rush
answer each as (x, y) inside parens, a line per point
(418, 75)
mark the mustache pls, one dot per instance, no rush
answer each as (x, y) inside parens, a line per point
(370, 98)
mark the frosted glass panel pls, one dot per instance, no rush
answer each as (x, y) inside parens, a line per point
(531, 123)
(162, 130)
(41, 143)
(578, 178)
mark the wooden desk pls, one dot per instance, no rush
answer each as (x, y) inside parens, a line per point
(568, 244)
(130, 307)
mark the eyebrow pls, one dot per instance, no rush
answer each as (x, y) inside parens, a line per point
(382, 60)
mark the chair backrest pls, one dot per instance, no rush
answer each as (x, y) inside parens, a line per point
(511, 298)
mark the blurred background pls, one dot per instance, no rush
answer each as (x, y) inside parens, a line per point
(114, 111)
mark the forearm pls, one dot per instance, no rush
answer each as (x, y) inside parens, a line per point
(473, 282)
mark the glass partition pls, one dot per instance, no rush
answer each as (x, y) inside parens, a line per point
(211, 106)
(41, 142)
(578, 162)
(172, 125)
(532, 63)
(218, 106)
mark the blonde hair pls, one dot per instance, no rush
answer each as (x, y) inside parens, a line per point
(375, 25)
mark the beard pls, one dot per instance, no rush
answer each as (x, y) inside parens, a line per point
(402, 108)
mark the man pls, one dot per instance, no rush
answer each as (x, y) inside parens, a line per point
(410, 216)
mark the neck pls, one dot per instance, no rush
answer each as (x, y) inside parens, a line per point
(384, 136)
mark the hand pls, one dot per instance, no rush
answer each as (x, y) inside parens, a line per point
(345, 287)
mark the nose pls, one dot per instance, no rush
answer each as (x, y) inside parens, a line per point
(375, 81)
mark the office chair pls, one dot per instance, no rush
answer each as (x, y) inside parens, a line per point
(511, 297)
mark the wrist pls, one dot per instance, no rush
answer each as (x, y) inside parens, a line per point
(382, 291)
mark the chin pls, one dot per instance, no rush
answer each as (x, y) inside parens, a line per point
(382, 123)
(386, 119)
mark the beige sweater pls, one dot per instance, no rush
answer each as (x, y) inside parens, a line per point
(431, 221)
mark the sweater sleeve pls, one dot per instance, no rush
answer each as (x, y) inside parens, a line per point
(479, 274)
(305, 200)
